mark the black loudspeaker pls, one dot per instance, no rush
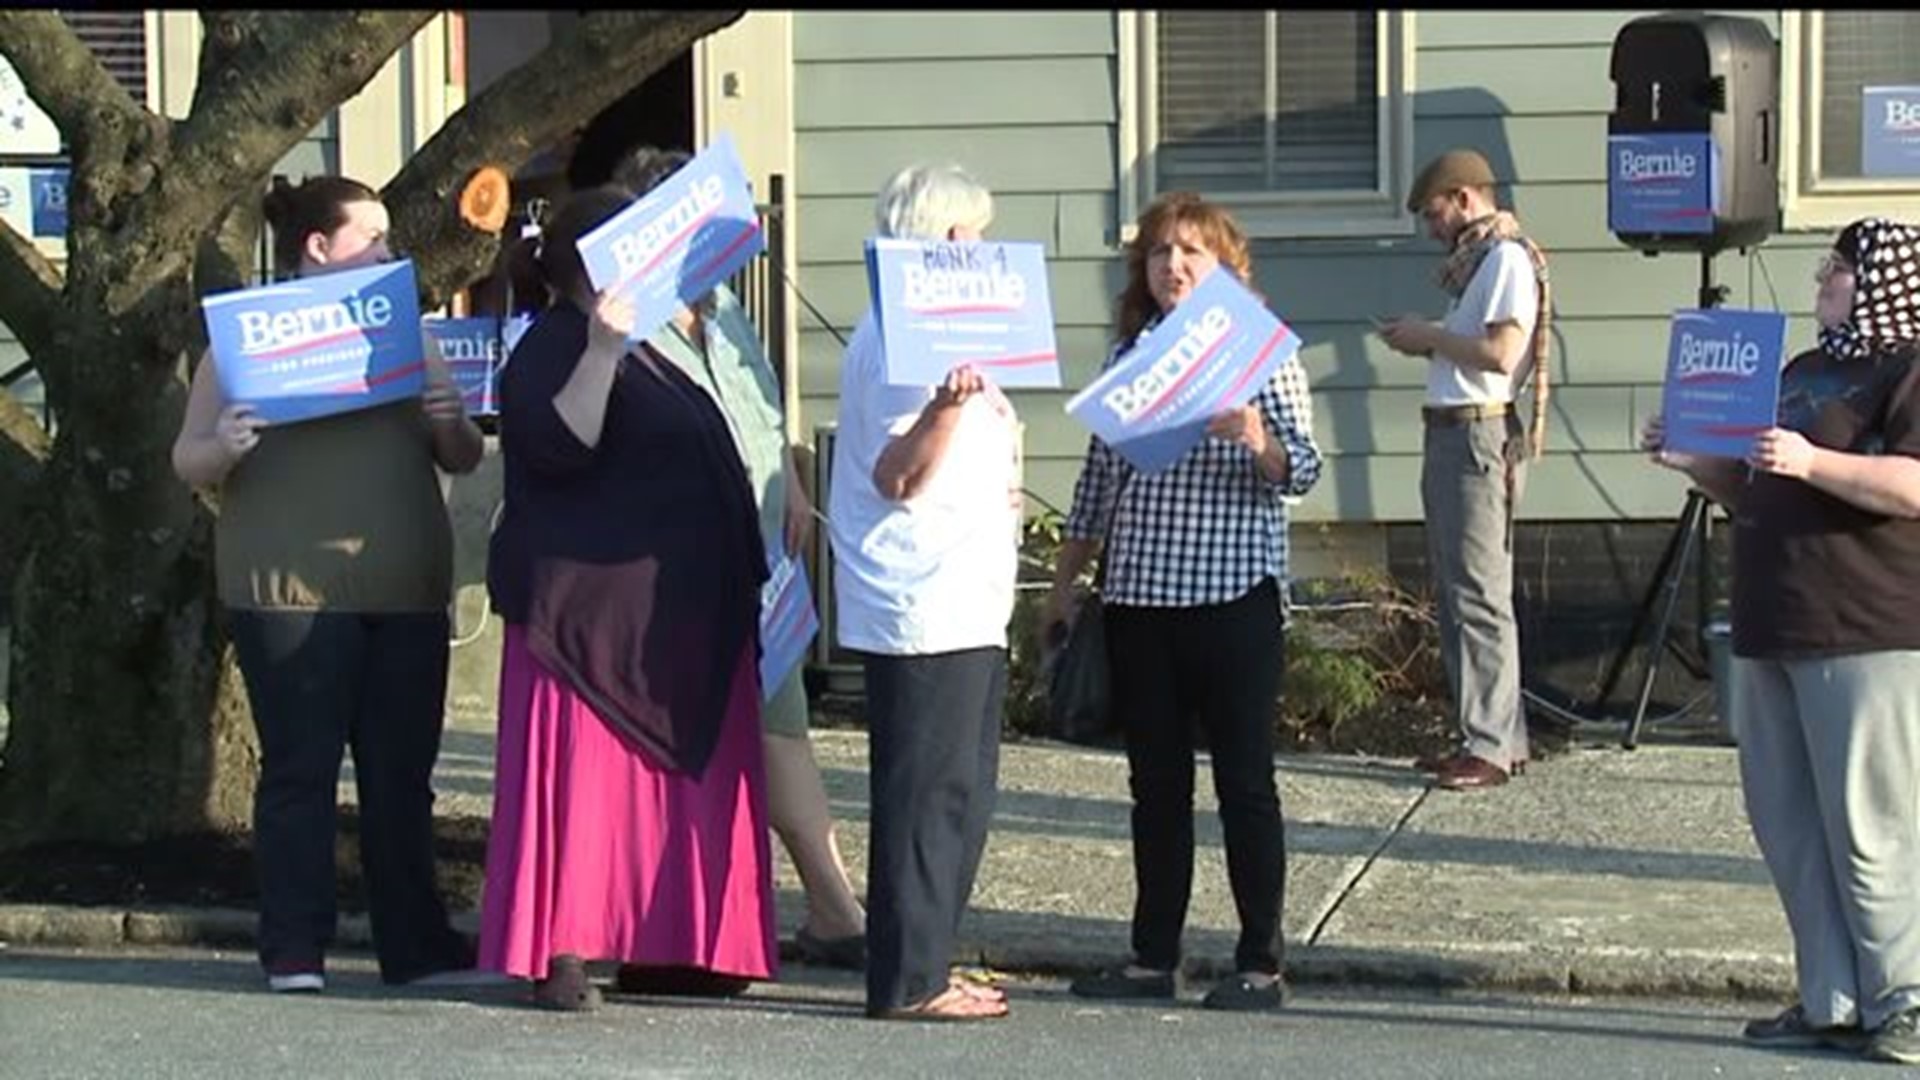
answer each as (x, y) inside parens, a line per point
(1718, 75)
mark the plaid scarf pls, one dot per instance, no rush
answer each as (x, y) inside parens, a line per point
(1886, 298)
(1469, 248)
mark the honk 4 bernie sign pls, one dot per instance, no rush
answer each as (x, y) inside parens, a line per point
(680, 240)
(322, 345)
(946, 304)
(1723, 379)
(1213, 352)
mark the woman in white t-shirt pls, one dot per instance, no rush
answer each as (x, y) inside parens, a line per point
(925, 525)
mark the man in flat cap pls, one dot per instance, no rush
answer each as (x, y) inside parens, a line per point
(1492, 339)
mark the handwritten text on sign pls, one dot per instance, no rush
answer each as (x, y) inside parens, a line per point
(1723, 379)
(319, 345)
(943, 304)
(1215, 351)
(677, 242)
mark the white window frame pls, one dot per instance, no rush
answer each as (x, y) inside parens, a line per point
(1807, 199)
(1379, 212)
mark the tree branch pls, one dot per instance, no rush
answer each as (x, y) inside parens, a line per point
(262, 87)
(61, 74)
(534, 105)
(29, 291)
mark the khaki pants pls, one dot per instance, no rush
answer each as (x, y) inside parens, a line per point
(1470, 482)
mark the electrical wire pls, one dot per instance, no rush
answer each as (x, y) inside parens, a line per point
(486, 607)
(1773, 295)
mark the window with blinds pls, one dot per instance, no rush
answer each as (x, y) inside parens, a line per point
(119, 40)
(1859, 49)
(1267, 101)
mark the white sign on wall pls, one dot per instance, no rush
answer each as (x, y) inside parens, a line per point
(24, 129)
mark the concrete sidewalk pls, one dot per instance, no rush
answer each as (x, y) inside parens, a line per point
(1600, 870)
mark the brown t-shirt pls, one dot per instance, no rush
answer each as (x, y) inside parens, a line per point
(1814, 575)
(344, 513)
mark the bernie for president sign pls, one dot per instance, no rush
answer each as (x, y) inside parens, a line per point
(321, 345)
(673, 245)
(944, 304)
(1213, 352)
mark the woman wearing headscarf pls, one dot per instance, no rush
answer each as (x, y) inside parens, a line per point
(1825, 695)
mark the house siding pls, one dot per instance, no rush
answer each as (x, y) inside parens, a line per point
(1035, 115)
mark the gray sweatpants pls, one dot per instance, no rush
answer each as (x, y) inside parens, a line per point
(1470, 481)
(1829, 760)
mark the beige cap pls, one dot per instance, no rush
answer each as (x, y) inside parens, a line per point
(1451, 171)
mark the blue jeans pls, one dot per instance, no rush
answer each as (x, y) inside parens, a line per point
(319, 682)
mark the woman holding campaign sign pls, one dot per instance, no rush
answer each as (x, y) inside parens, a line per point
(1195, 584)
(925, 523)
(629, 815)
(1826, 668)
(334, 558)
(714, 342)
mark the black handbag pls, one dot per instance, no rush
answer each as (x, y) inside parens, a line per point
(1079, 688)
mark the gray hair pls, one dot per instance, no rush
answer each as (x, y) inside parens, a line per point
(922, 202)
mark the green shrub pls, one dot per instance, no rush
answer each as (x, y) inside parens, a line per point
(1362, 672)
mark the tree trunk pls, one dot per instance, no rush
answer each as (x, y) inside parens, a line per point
(128, 718)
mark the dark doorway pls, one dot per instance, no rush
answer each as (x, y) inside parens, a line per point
(657, 112)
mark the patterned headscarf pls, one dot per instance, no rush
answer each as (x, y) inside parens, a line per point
(1885, 256)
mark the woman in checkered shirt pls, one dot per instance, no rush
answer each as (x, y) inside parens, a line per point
(1195, 586)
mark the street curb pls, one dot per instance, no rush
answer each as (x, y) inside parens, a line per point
(1614, 971)
(1611, 972)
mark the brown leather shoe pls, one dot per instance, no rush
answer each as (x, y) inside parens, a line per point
(1435, 763)
(1469, 773)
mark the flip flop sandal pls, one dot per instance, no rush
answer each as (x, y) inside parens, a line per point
(978, 991)
(952, 1006)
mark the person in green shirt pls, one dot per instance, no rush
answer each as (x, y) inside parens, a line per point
(716, 344)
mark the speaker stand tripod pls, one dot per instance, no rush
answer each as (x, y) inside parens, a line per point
(1690, 539)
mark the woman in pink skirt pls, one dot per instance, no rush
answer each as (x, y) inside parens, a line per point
(629, 816)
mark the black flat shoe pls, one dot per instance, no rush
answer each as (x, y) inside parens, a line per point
(1116, 983)
(678, 981)
(848, 952)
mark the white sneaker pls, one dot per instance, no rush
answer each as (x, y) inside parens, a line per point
(297, 982)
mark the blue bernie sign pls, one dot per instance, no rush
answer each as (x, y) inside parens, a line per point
(1723, 379)
(673, 245)
(1214, 351)
(321, 345)
(1662, 183)
(944, 304)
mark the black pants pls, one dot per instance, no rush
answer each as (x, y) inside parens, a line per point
(933, 725)
(1220, 664)
(318, 683)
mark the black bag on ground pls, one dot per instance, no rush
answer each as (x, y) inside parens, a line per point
(1079, 687)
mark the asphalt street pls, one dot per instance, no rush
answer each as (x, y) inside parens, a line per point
(162, 1014)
